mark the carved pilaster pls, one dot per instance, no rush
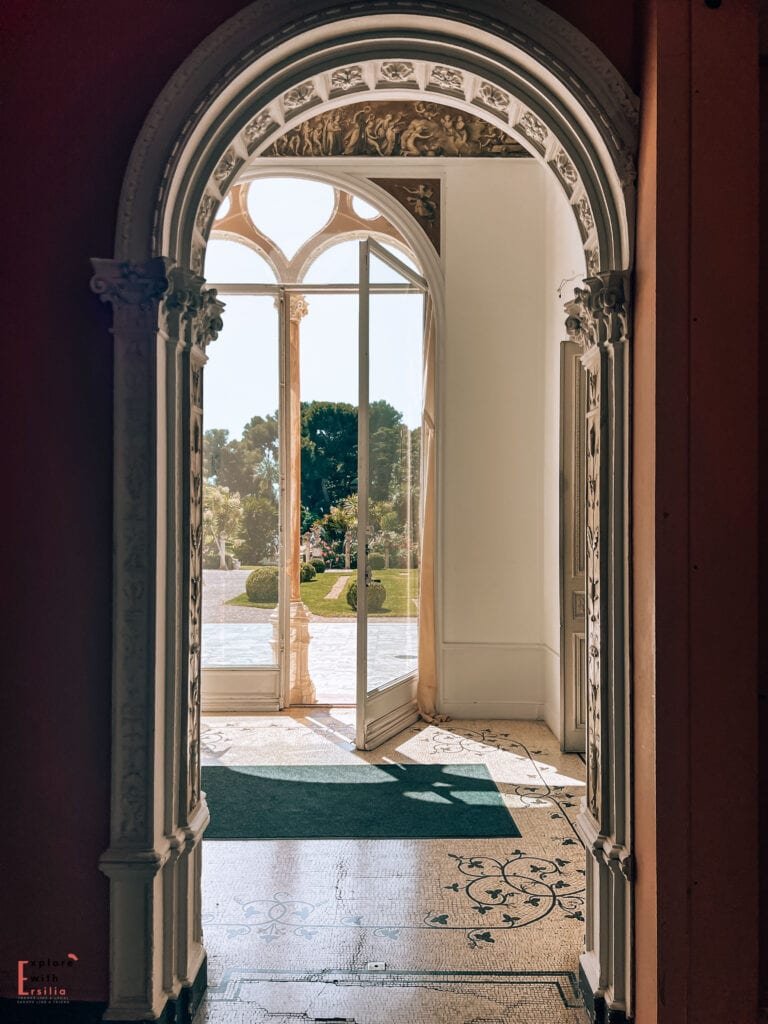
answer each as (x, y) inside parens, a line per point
(134, 292)
(597, 321)
(205, 322)
(163, 318)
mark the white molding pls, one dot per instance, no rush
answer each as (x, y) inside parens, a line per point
(238, 703)
(502, 709)
(388, 723)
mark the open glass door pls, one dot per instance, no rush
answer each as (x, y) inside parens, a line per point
(391, 344)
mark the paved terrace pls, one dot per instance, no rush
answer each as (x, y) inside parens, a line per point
(235, 635)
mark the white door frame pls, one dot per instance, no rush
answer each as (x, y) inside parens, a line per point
(524, 70)
(390, 708)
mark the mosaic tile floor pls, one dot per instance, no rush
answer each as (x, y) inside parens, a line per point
(472, 931)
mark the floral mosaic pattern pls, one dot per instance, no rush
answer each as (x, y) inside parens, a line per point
(506, 893)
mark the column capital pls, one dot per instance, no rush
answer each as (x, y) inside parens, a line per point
(189, 302)
(160, 284)
(297, 307)
(598, 314)
(207, 317)
(129, 284)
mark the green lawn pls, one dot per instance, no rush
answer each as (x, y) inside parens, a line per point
(399, 603)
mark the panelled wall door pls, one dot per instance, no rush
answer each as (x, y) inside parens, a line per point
(298, 653)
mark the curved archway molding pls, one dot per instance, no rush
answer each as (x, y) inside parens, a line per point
(523, 70)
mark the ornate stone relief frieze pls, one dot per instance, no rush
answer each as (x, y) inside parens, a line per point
(584, 213)
(421, 197)
(534, 130)
(226, 168)
(397, 72)
(395, 128)
(446, 78)
(592, 257)
(300, 96)
(344, 79)
(565, 171)
(205, 214)
(257, 129)
(492, 97)
(306, 121)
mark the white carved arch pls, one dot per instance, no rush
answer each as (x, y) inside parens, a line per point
(474, 95)
(584, 130)
(522, 69)
(416, 244)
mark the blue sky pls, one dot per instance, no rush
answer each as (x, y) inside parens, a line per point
(241, 378)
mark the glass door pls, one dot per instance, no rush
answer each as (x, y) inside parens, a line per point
(391, 345)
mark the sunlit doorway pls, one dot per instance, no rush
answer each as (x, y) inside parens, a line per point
(313, 468)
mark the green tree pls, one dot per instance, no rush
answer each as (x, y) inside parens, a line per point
(260, 530)
(249, 466)
(260, 435)
(213, 443)
(385, 448)
(222, 521)
(328, 454)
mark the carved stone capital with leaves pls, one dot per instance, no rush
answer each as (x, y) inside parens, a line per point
(597, 316)
(207, 319)
(124, 284)
(192, 312)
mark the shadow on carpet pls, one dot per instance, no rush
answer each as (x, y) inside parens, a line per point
(359, 801)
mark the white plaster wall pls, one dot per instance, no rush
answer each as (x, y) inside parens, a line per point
(509, 240)
(563, 261)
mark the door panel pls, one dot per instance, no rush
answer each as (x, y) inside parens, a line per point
(389, 421)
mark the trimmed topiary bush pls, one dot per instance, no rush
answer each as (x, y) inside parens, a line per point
(261, 585)
(376, 561)
(377, 595)
(319, 564)
(307, 572)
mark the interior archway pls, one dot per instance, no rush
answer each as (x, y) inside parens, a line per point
(528, 75)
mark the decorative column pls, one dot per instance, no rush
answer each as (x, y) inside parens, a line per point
(302, 689)
(199, 314)
(597, 320)
(163, 319)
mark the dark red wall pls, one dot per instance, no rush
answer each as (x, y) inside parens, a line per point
(695, 517)
(763, 570)
(82, 79)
